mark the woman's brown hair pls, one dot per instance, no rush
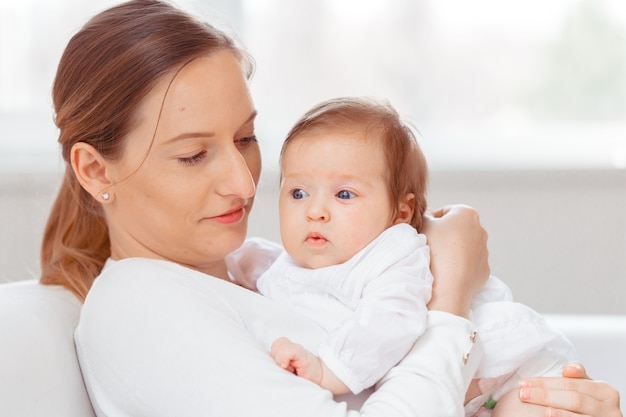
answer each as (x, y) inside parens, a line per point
(406, 163)
(106, 70)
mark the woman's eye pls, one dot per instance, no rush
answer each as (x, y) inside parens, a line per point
(299, 193)
(345, 195)
(193, 160)
(243, 143)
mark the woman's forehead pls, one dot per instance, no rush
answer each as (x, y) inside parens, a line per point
(206, 90)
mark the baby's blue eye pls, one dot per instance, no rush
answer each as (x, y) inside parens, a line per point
(345, 195)
(299, 193)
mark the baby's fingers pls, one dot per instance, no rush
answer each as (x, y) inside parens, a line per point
(283, 351)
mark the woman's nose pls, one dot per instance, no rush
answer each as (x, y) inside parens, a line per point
(236, 178)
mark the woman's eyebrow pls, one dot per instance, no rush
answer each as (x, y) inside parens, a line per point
(190, 135)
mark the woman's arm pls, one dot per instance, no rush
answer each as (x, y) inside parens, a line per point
(157, 339)
(447, 347)
(572, 395)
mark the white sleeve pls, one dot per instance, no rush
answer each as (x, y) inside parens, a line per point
(417, 386)
(155, 341)
(517, 338)
(494, 290)
(251, 260)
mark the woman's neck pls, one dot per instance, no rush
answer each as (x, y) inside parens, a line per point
(217, 269)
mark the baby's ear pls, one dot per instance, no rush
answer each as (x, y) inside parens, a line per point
(406, 207)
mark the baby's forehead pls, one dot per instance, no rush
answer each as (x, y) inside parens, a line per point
(333, 151)
(356, 135)
(334, 155)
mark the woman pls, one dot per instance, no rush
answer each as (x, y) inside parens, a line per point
(157, 129)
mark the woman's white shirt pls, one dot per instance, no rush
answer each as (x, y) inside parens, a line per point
(159, 339)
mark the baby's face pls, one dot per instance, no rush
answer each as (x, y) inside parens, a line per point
(334, 196)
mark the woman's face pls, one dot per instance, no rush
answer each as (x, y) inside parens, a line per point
(186, 196)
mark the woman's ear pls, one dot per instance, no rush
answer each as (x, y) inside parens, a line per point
(406, 207)
(90, 169)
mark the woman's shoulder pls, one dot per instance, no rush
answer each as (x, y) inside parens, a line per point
(143, 268)
(141, 274)
(138, 267)
(127, 288)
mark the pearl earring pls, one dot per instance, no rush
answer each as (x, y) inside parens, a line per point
(105, 196)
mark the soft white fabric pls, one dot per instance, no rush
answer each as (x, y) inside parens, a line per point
(34, 384)
(249, 262)
(39, 373)
(392, 275)
(373, 306)
(157, 339)
(518, 342)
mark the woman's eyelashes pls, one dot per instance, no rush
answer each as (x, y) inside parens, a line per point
(241, 144)
(246, 141)
(194, 159)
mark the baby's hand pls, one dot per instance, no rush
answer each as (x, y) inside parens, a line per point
(295, 358)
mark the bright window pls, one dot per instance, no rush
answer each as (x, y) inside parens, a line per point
(489, 84)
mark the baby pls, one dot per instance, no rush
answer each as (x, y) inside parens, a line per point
(352, 197)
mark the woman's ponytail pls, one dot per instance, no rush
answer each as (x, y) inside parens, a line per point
(76, 239)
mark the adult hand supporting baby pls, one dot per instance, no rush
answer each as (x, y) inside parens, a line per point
(574, 394)
(459, 257)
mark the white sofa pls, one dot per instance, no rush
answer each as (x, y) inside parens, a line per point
(39, 372)
(40, 376)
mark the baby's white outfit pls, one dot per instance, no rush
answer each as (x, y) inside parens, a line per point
(374, 308)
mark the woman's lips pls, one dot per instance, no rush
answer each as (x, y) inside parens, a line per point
(231, 216)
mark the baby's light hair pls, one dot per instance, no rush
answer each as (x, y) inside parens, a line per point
(406, 163)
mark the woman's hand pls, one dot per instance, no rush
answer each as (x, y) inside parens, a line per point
(459, 257)
(573, 395)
